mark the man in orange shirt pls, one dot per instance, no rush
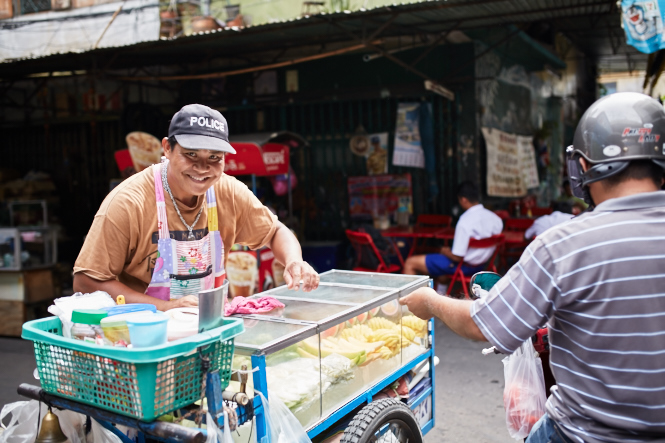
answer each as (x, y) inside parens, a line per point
(164, 234)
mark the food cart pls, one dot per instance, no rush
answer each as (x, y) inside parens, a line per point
(325, 355)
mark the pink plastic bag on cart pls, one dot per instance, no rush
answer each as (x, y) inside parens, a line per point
(524, 394)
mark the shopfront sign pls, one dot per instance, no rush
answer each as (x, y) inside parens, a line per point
(250, 158)
(511, 164)
(376, 195)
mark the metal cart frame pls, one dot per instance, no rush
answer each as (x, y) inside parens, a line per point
(170, 432)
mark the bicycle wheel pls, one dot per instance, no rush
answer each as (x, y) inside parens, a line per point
(383, 421)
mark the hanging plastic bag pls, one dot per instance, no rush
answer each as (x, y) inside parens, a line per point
(99, 434)
(283, 426)
(216, 435)
(524, 394)
(25, 415)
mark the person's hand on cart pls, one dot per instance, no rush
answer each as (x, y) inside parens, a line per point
(420, 302)
(300, 272)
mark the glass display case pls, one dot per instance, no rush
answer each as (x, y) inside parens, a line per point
(28, 247)
(340, 340)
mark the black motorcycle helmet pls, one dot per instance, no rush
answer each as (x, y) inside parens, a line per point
(615, 130)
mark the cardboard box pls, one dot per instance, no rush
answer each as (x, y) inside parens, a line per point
(6, 9)
(12, 315)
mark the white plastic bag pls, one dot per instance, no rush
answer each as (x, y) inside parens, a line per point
(63, 307)
(216, 435)
(283, 426)
(23, 425)
(99, 434)
(524, 394)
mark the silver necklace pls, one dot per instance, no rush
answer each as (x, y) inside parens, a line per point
(165, 184)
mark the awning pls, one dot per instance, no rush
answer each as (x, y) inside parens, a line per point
(593, 25)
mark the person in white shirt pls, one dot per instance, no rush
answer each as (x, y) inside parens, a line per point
(476, 222)
(562, 213)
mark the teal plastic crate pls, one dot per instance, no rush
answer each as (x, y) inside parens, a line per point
(144, 383)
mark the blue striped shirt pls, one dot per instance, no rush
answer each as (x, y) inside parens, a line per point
(598, 282)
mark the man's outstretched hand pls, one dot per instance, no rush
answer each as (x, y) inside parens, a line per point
(420, 302)
(296, 271)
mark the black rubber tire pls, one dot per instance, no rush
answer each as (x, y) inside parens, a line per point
(375, 415)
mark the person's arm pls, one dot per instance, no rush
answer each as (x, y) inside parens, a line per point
(85, 285)
(287, 251)
(456, 314)
(448, 253)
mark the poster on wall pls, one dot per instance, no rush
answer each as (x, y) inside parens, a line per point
(408, 149)
(643, 24)
(511, 170)
(528, 161)
(377, 160)
(378, 194)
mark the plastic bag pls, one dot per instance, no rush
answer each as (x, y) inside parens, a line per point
(63, 307)
(23, 425)
(99, 434)
(216, 435)
(524, 394)
(283, 426)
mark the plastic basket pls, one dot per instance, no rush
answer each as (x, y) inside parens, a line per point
(143, 383)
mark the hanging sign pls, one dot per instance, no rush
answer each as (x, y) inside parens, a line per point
(511, 164)
(643, 24)
(251, 159)
(528, 161)
(408, 149)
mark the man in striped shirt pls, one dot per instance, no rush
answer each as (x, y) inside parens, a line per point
(597, 281)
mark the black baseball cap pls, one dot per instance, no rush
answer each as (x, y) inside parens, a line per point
(200, 127)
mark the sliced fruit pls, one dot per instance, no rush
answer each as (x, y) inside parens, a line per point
(362, 318)
(305, 354)
(331, 332)
(373, 312)
(391, 308)
(311, 346)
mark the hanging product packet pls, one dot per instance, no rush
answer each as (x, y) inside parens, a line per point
(524, 394)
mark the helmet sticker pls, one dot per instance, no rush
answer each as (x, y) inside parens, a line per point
(653, 138)
(611, 151)
(644, 133)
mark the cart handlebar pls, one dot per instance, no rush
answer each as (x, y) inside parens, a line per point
(160, 429)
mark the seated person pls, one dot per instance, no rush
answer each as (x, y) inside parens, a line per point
(476, 222)
(563, 211)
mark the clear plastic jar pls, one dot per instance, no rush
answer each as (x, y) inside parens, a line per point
(86, 325)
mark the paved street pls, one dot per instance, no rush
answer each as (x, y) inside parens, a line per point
(469, 386)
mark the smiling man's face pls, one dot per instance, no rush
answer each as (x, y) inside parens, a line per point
(192, 171)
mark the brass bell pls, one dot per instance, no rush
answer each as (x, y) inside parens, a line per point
(50, 431)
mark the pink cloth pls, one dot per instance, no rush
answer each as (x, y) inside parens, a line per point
(242, 305)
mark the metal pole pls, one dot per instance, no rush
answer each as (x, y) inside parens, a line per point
(288, 185)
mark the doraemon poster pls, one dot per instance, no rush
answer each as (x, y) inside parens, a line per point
(643, 23)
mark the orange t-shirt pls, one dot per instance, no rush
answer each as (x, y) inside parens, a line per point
(122, 241)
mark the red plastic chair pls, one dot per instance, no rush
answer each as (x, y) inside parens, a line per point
(517, 224)
(537, 211)
(363, 242)
(496, 241)
(429, 221)
(513, 250)
(503, 214)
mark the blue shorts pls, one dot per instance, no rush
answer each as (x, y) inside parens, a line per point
(439, 264)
